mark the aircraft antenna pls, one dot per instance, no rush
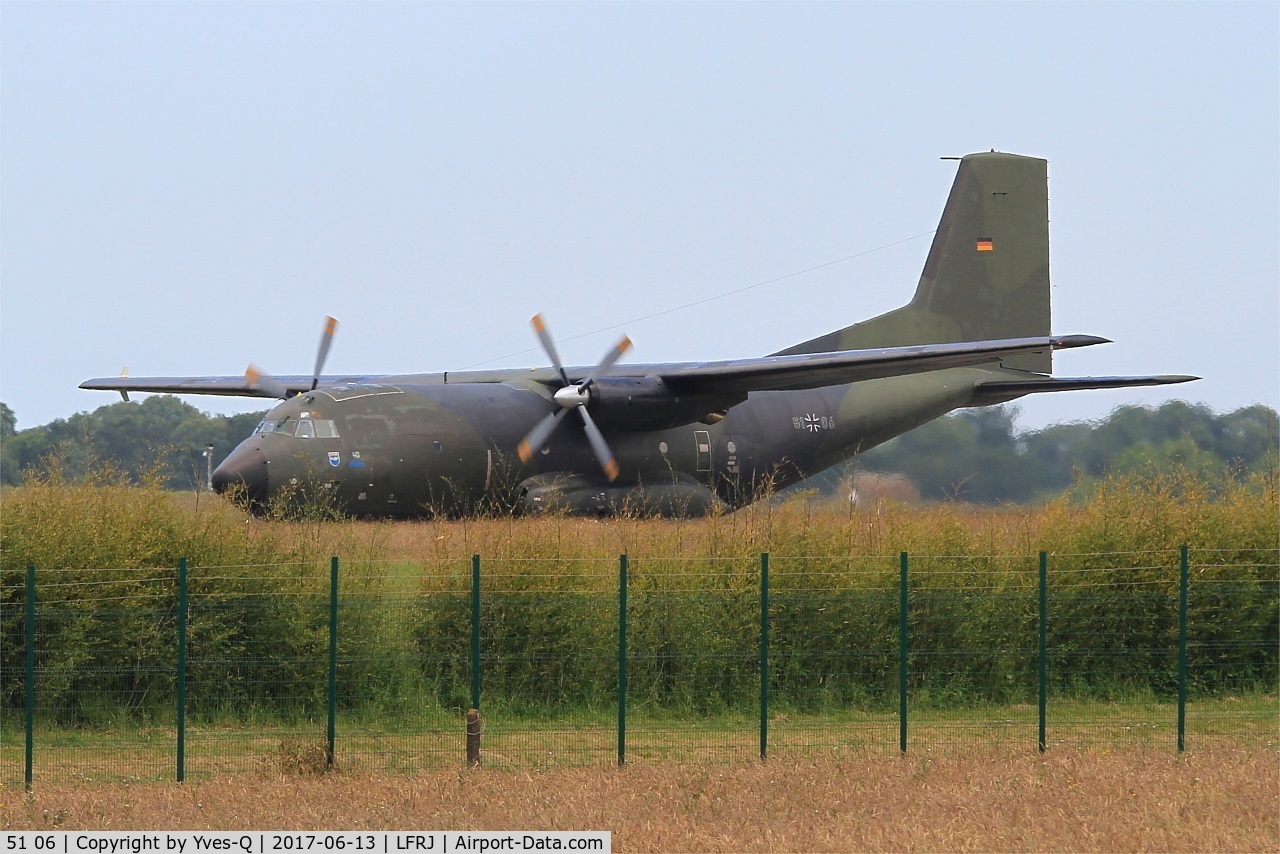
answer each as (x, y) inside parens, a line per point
(724, 295)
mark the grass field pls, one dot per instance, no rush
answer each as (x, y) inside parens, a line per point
(1222, 799)
(971, 780)
(434, 741)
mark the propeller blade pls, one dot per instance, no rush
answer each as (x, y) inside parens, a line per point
(608, 361)
(265, 382)
(537, 437)
(599, 446)
(326, 338)
(544, 335)
(573, 397)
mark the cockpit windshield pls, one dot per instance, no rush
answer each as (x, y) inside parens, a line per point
(304, 427)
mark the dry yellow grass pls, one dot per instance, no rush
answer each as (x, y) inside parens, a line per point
(1126, 514)
(1219, 800)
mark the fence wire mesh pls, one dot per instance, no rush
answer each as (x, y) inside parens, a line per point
(548, 661)
(692, 660)
(833, 655)
(298, 669)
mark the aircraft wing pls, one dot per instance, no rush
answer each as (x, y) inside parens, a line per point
(227, 386)
(814, 370)
(230, 386)
(737, 376)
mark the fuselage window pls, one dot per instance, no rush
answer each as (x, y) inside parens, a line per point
(287, 427)
(267, 427)
(306, 430)
(326, 429)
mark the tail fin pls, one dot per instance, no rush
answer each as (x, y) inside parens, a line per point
(987, 274)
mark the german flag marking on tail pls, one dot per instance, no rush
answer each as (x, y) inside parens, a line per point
(985, 244)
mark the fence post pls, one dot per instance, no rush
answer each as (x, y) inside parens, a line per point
(902, 654)
(29, 721)
(1043, 676)
(182, 670)
(475, 632)
(764, 655)
(1183, 590)
(331, 730)
(622, 659)
(475, 728)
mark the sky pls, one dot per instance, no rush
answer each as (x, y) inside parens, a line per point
(185, 188)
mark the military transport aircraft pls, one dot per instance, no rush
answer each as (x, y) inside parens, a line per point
(674, 437)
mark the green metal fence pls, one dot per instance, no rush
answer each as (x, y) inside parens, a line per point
(197, 671)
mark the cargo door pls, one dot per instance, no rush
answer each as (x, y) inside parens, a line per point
(702, 447)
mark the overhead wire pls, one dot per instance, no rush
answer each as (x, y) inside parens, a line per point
(706, 300)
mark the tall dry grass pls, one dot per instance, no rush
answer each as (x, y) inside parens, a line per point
(1222, 800)
(1139, 511)
(102, 521)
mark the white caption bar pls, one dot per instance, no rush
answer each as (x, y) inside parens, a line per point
(275, 842)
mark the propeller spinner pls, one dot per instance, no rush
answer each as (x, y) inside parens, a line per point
(573, 396)
(256, 379)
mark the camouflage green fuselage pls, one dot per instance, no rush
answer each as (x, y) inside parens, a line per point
(409, 449)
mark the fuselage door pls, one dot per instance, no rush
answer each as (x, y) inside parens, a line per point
(702, 442)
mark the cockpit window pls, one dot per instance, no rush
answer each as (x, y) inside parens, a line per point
(302, 428)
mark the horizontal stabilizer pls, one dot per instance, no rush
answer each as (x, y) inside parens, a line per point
(1000, 391)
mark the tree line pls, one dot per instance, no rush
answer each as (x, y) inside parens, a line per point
(976, 456)
(159, 435)
(979, 456)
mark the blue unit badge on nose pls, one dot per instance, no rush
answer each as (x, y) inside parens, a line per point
(335, 458)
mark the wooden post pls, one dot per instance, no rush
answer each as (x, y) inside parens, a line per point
(474, 728)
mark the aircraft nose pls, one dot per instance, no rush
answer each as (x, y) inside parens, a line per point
(244, 469)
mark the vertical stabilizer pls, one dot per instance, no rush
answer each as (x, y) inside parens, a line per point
(987, 274)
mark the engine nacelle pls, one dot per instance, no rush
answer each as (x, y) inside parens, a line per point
(647, 403)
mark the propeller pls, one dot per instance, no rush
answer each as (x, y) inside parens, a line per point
(326, 338)
(573, 396)
(256, 379)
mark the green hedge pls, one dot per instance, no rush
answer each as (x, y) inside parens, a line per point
(258, 627)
